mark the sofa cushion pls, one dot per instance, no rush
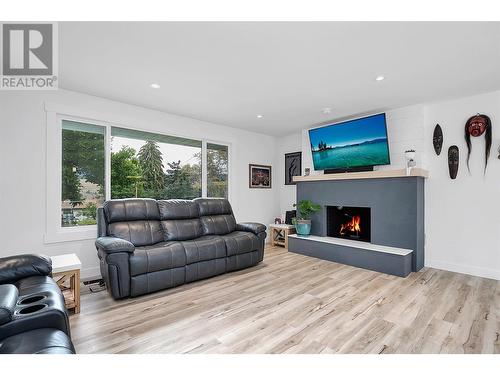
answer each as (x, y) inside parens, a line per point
(154, 281)
(132, 209)
(162, 256)
(8, 300)
(213, 206)
(176, 209)
(180, 219)
(219, 224)
(204, 248)
(54, 315)
(140, 232)
(205, 269)
(134, 220)
(38, 341)
(241, 261)
(17, 267)
(240, 242)
(181, 230)
(216, 216)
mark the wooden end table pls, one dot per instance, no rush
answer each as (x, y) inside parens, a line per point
(279, 234)
(66, 273)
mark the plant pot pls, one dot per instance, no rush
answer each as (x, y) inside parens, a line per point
(303, 227)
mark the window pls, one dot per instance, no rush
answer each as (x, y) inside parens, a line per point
(82, 172)
(90, 161)
(154, 166)
(217, 170)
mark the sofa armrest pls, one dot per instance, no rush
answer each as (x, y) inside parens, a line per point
(8, 300)
(19, 267)
(111, 245)
(255, 228)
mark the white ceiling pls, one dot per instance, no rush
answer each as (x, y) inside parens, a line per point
(227, 73)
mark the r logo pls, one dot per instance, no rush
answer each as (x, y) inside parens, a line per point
(27, 49)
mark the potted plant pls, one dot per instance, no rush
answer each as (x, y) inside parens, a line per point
(305, 208)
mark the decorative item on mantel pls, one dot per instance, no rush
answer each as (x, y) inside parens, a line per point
(437, 139)
(410, 161)
(453, 161)
(305, 208)
(308, 170)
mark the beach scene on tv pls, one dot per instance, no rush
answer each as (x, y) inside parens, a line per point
(356, 143)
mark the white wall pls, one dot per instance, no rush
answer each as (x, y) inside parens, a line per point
(23, 165)
(286, 193)
(462, 216)
(404, 130)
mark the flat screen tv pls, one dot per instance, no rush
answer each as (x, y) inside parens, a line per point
(356, 144)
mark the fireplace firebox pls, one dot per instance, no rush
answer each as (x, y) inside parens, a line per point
(352, 223)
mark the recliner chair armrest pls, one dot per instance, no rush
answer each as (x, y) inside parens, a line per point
(112, 245)
(8, 299)
(255, 228)
(19, 267)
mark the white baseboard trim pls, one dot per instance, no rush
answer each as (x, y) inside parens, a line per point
(488, 273)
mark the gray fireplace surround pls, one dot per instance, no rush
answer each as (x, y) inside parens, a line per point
(397, 223)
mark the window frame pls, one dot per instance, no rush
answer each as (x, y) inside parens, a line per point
(55, 232)
(205, 159)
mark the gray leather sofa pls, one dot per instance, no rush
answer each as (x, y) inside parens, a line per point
(33, 319)
(146, 245)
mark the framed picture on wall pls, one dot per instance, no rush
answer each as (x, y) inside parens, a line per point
(293, 166)
(260, 176)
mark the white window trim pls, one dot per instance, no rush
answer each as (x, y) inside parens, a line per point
(229, 166)
(204, 169)
(54, 232)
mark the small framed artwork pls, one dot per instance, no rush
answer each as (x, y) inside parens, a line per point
(260, 176)
(293, 166)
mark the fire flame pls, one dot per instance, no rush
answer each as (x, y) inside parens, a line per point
(352, 226)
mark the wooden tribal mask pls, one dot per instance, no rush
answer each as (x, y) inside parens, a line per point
(476, 126)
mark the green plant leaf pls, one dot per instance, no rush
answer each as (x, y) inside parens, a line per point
(306, 208)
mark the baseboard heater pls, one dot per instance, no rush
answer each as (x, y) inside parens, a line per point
(391, 260)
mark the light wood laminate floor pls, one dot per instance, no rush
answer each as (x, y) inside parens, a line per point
(296, 304)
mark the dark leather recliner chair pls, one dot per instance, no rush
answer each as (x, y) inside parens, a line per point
(33, 318)
(146, 245)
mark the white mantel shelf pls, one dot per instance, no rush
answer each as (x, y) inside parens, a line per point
(356, 244)
(384, 173)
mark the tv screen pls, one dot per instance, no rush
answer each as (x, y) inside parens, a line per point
(350, 144)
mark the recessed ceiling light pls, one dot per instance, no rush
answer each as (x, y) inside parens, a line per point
(154, 86)
(326, 110)
(259, 116)
(379, 78)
